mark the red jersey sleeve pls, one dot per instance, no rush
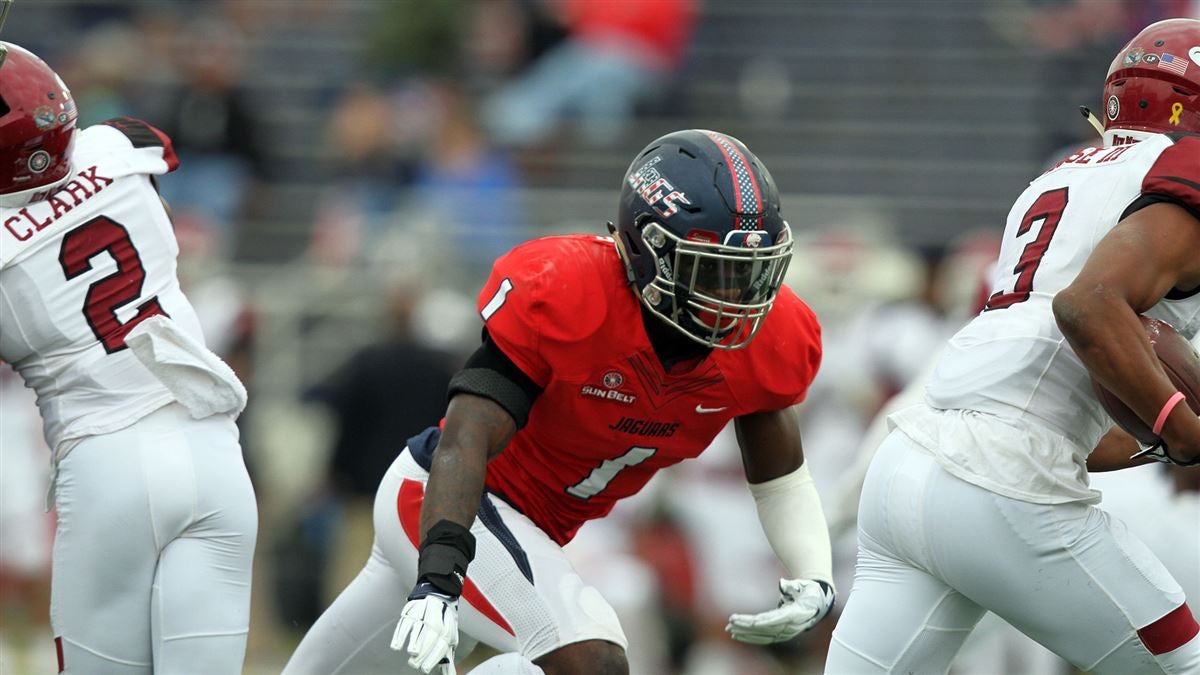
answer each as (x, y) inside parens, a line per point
(784, 356)
(541, 296)
(1176, 173)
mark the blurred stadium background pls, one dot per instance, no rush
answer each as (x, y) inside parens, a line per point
(350, 167)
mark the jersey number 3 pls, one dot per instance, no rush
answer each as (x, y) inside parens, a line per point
(116, 290)
(1049, 209)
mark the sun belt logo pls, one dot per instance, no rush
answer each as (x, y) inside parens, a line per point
(610, 392)
(656, 190)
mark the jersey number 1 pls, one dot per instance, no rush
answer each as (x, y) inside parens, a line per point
(116, 290)
(1049, 209)
(595, 482)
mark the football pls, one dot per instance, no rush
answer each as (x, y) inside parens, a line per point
(1178, 359)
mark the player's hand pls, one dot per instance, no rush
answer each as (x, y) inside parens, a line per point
(1158, 452)
(429, 623)
(805, 602)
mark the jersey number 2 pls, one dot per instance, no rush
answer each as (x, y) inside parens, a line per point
(1049, 209)
(116, 290)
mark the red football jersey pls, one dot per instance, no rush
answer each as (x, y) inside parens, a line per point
(609, 415)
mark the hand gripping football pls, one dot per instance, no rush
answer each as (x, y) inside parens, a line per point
(1178, 358)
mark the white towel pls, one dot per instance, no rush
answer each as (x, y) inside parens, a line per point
(197, 378)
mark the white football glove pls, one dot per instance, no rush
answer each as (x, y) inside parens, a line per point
(429, 623)
(805, 602)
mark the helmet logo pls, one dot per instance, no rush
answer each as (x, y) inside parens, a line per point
(753, 240)
(1113, 108)
(39, 161)
(652, 295)
(1150, 59)
(656, 239)
(1173, 63)
(1134, 56)
(613, 379)
(43, 117)
(1176, 111)
(1194, 54)
(655, 189)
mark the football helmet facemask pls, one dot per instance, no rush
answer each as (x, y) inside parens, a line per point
(37, 127)
(1153, 85)
(701, 235)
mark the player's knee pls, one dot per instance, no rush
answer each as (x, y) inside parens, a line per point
(595, 657)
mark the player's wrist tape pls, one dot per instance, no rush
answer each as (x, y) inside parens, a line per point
(1166, 412)
(445, 552)
(791, 516)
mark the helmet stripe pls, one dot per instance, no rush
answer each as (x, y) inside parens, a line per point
(745, 185)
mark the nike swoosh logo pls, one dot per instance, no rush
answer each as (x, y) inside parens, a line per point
(702, 410)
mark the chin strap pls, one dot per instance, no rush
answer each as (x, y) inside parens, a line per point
(616, 237)
(1092, 119)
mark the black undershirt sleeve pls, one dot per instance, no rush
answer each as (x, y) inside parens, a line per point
(491, 374)
(1148, 199)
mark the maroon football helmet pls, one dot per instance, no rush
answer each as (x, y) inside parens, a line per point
(37, 127)
(1153, 85)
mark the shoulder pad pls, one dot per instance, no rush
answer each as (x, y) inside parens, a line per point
(543, 293)
(786, 353)
(1176, 173)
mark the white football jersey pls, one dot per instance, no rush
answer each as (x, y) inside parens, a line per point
(79, 270)
(1011, 362)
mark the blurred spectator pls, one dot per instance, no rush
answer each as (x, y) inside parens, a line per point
(616, 55)
(102, 65)
(381, 396)
(25, 531)
(372, 166)
(1077, 39)
(215, 130)
(469, 187)
(417, 186)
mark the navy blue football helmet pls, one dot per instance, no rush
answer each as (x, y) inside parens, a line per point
(702, 236)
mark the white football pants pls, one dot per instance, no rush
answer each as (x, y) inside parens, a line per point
(936, 552)
(521, 594)
(156, 530)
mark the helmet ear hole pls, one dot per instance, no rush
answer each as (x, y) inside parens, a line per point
(4, 109)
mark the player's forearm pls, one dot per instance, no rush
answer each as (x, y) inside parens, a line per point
(791, 517)
(1114, 452)
(1109, 339)
(476, 429)
(455, 486)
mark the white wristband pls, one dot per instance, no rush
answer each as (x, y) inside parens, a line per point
(791, 516)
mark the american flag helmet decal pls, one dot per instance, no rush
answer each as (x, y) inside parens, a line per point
(745, 184)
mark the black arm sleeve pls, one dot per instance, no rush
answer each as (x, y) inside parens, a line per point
(491, 374)
(1147, 199)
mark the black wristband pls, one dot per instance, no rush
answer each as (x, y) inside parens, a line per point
(445, 552)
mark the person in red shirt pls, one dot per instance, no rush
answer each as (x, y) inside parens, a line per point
(603, 360)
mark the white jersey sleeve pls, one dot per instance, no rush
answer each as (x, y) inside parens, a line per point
(79, 270)
(1012, 362)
